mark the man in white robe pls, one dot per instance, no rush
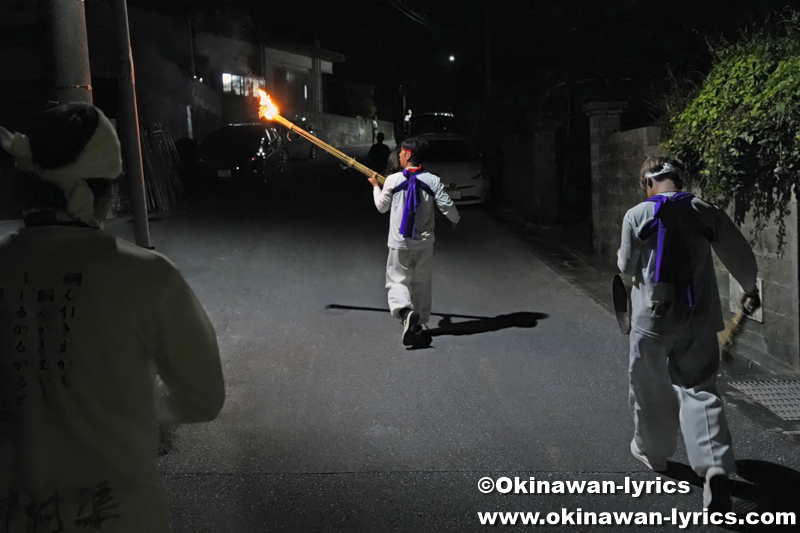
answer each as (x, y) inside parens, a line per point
(412, 195)
(676, 314)
(87, 322)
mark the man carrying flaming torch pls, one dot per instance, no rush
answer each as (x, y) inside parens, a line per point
(411, 195)
(410, 264)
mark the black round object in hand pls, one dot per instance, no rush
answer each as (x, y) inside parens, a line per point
(750, 302)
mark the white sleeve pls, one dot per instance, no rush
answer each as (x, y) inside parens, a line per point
(445, 203)
(629, 250)
(187, 358)
(383, 197)
(734, 251)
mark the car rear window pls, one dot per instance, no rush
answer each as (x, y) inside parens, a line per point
(238, 139)
(450, 151)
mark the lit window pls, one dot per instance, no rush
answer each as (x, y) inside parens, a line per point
(305, 91)
(241, 85)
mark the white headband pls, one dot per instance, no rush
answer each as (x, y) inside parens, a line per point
(666, 168)
(100, 158)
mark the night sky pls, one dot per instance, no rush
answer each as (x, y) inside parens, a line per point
(620, 48)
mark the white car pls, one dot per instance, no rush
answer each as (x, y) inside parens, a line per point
(460, 167)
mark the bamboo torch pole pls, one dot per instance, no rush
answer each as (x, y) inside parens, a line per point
(269, 111)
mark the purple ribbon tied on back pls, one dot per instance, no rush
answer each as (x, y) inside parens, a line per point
(673, 260)
(413, 198)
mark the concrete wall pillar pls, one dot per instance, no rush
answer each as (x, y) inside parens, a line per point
(544, 187)
(316, 82)
(316, 85)
(604, 119)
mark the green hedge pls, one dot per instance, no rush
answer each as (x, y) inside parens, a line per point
(739, 133)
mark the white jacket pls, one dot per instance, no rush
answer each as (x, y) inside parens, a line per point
(86, 323)
(425, 220)
(637, 259)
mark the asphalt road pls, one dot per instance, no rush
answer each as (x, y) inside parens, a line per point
(331, 424)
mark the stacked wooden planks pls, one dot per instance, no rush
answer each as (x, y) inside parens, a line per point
(163, 171)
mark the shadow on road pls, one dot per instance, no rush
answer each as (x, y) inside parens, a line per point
(772, 488)
(473, 326)
(485, 324)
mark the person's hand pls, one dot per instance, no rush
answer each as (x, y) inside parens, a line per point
(750, 302)
(618, 249)
(374, 179)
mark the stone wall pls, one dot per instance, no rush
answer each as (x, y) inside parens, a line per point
(524, 174)
(621, 157)
(773, 340)
(342, 132)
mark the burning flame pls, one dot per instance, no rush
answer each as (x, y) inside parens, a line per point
(267, 108)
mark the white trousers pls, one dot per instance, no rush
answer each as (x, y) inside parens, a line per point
(673, 383)
(408, 278)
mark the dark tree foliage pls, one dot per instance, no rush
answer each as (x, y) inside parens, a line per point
(738, 133)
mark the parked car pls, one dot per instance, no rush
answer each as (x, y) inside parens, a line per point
(242, 154)
(460, 167)
(433, 122)
(298, 147)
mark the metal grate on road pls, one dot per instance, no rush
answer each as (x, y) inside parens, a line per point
(781, 397)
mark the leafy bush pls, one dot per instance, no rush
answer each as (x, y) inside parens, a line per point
(738, 134)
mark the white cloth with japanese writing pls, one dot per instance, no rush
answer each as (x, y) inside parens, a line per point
(87, 321)
(425, 220)
(637, 259)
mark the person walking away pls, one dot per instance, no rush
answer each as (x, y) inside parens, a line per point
(378, 154)
(412, 195)
(87, 321)
(674, 353)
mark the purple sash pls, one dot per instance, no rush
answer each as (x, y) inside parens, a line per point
(414, 188)
(673, 260)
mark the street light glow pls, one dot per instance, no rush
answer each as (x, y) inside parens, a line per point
(452, 58)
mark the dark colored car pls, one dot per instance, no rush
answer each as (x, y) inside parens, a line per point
(460, 167)
(242, 154)
(298, 147)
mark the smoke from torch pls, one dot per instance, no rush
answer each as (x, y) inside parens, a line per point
(269, 111)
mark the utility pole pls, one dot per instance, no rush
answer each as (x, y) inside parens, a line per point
(488, 52)
(71, 75)
(128, 128)
(316, 78)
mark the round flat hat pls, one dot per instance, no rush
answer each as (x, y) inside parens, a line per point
(622, 304)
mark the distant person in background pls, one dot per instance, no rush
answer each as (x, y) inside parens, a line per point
(674, 353)
(374, 128)
(87, 322)
(407, 124)
(378, 155)
(412, 196)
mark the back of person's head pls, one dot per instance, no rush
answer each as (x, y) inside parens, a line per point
(381, 137)
(74, 149)
(417, 147)
(659, 169)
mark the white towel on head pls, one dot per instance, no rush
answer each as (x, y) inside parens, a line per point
(666, 168)
(100, 158)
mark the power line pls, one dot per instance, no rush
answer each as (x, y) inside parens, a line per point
(410, 13)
